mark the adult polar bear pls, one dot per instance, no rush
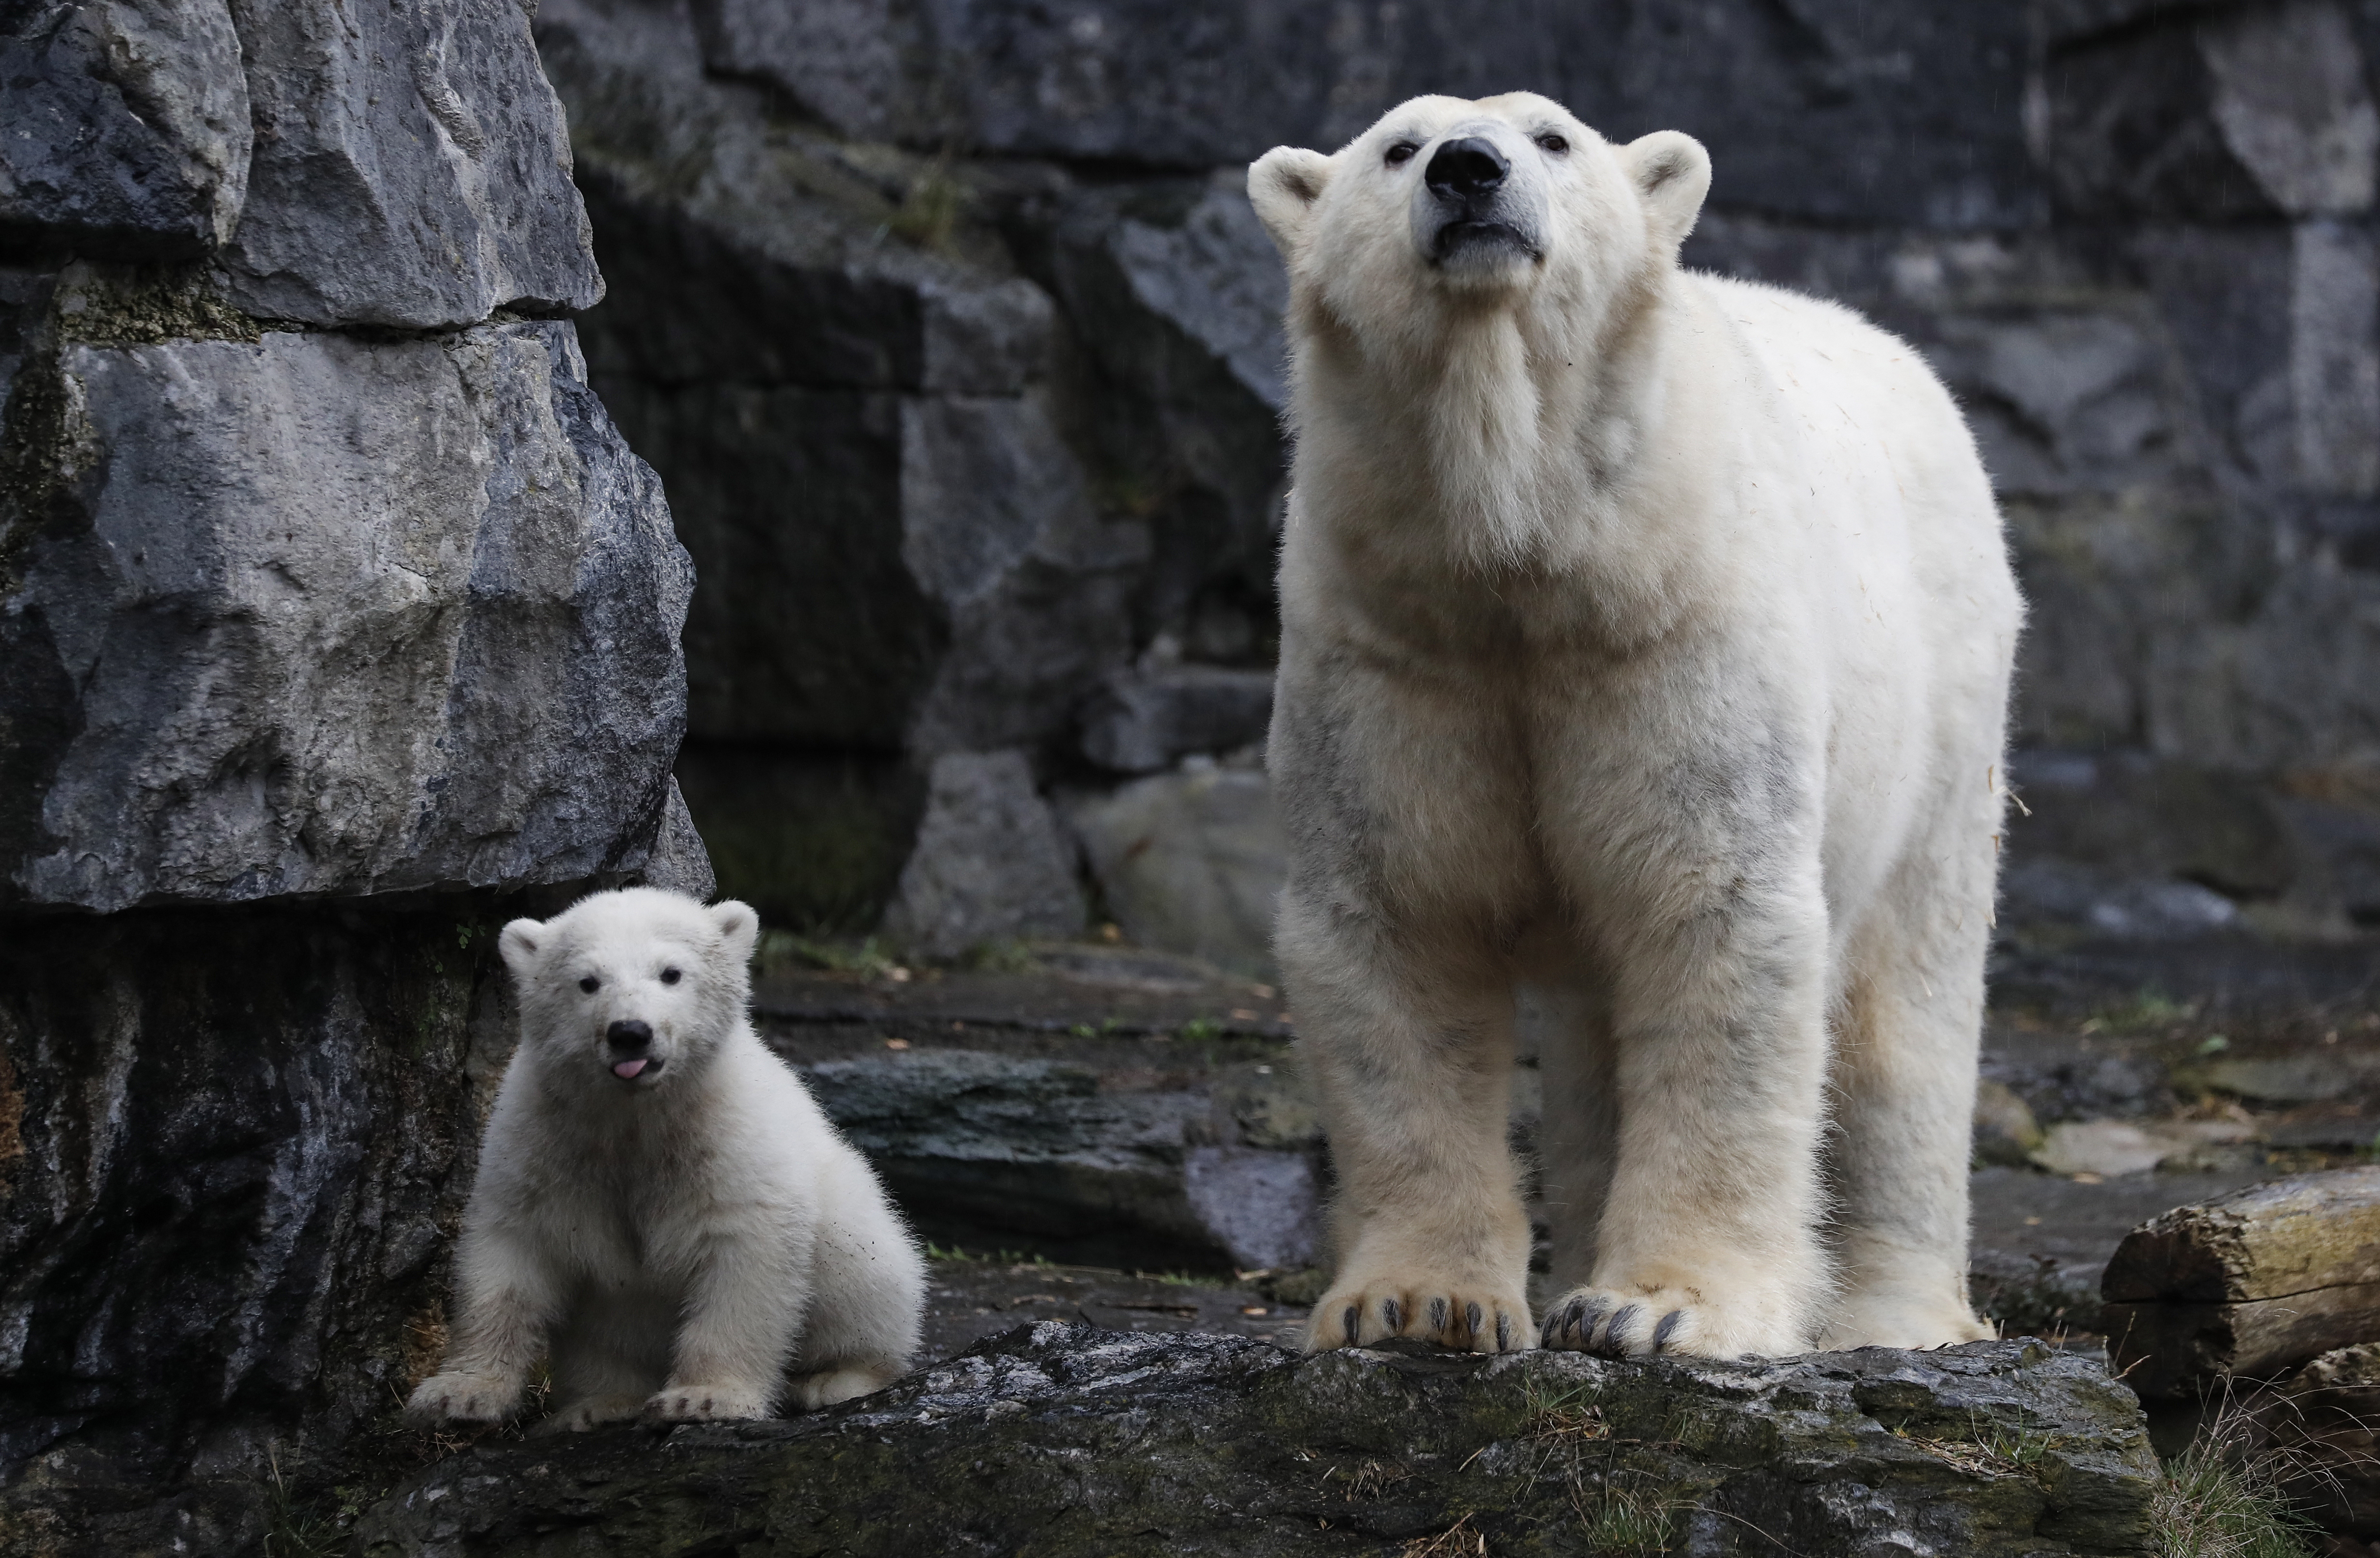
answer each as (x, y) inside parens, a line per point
(1647, 638)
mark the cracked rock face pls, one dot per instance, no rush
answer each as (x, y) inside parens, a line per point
(1074, 1441)
(265, 666)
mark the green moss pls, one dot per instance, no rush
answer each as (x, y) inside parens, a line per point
(142, 305)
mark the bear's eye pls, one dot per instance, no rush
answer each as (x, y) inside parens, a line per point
(671, 975)
(1551, 142)
(591, 984)
(1402, 153)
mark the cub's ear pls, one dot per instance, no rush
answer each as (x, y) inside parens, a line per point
(1283, 184)
(519, 942)
(740, 928)
(1672, 174)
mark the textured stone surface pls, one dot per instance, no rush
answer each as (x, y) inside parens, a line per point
(230, 1145)
(1078, 1440)
(990, 865)
(124, 127)
(1142, 722)
(1192, 862)
(412, 167)
(260, 666)
(1794, 102)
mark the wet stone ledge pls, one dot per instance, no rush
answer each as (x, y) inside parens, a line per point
(1068, 1440)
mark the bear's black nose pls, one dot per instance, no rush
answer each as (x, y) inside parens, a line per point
(629, 1037)
(1466, 167)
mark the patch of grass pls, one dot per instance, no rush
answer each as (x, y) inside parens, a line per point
(999, 957)
(1625, 1522)
(1202, 1031)
(1990, 1449)
(1458, 1540)
(987, 1257)
(299, 1527)
(2221, 1497)
(2145, 1013)
(929, 209)
(870, 956)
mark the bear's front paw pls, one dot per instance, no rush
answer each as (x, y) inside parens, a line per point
(1645, 1320)
(705, 1403)
(462, 1398)
(1472, 1316)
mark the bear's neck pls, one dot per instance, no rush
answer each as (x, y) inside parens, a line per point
(1498, 440)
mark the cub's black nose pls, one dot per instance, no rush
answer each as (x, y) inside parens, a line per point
(629, 1037)
(1466, 167)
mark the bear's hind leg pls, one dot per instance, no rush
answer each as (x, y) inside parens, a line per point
(868, 1294)
(1904, 1085)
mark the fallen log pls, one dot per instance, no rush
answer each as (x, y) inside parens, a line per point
(2247, 1285)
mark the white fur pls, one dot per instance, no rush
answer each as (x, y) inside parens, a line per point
(695, 1243)
(1645, 638)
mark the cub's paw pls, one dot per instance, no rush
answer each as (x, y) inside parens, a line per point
(705, 1403)
(462, 1398)
(829, 1386)
(1469, 1316)
(591, 1412)
(1648, 1321)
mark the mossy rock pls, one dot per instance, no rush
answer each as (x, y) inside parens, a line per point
(1062, 1440)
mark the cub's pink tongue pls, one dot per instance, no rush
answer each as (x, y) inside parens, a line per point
(627, 1069)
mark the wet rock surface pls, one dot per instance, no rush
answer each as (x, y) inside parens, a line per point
(1079, 1440)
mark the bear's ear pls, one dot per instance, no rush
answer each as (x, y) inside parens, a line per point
(1672, 174)
(740, 928)
(519, 942)
(1283, 184)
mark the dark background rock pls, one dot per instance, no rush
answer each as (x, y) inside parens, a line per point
(2135, 238)
(1070, 1439)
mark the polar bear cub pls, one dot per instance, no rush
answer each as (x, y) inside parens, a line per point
(661, 1205)
(1645, 641)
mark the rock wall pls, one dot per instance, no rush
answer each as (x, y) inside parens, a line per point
(2134, 236)
(337, 625)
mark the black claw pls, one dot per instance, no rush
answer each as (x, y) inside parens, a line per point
(1612, 1333)
(1472, 1317)
(1504, 1332)
(1548, 1329)
(1392, 1315)
(1437, 1316)
(1592, 1312)
(1668, 1323)
(1352, 1320)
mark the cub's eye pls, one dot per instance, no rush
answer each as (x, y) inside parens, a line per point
(591, 984)
(671, 975)
(1551, 142)
(1402, 153)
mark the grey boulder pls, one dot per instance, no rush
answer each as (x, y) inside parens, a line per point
(411, 168)
(124, 127)
(1191, 862)
(305, 614)
(989, 864)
